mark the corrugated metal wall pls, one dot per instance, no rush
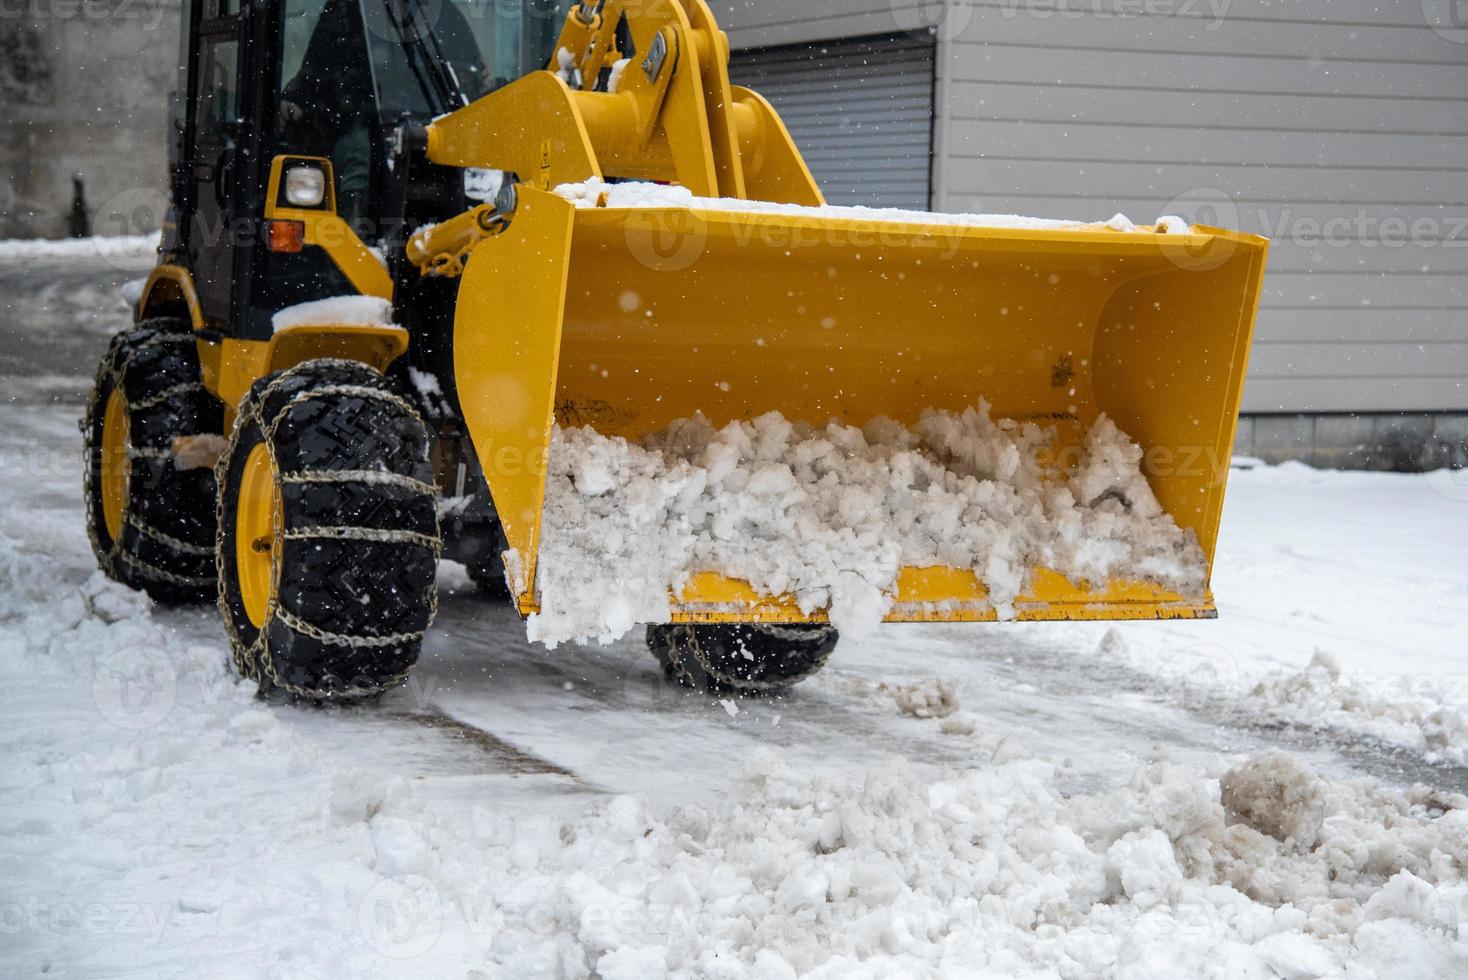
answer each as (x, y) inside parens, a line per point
(762, 23)
(1337, 127)
(861, 112)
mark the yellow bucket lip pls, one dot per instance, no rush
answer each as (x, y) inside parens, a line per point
(1089, 234)
(940, 594)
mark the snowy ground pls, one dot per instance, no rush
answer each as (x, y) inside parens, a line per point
(1150, 800)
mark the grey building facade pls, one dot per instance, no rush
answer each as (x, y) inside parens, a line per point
(1339, 128)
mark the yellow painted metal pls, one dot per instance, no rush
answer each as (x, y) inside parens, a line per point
(168, 291)
(531, 127)
(229, 366)
(324, 230)
(442, 249)
(170, 287)
(712, 46)
(257, 551)
(116, 429)
(509, 400)
(233, 365)
(685, 124)
(774, 170)
(628, 319)
(948, 595)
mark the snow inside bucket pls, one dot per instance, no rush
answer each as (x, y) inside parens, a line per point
(830, 516)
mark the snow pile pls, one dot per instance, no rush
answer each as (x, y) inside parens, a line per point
(357, 311)
(1171, 224)
(879, 874)
(829, 516)
(930, 698)
(131, 292)
(102, 246)
(1277, 796)
(1319, 697)
(632, 194)
(614, 80)
(566, 67)
(430, 393)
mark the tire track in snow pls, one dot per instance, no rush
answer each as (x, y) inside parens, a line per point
(1073, 676)
(510, 758)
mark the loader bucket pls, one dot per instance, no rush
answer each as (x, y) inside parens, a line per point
(627, 319)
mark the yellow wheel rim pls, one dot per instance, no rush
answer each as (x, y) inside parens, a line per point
(115, 434)
(256, 543)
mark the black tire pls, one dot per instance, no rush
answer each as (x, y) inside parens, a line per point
(743, 659)
(356, 540)
(163, 540)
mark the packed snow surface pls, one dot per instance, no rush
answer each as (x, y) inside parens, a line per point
(229, 845)
(830, 516)
(359, 311)
(597, 193)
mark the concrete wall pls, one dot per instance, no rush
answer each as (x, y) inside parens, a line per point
(83, 86)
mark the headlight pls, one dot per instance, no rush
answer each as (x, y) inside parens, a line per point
(305, 187)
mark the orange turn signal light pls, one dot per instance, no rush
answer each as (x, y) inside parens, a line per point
(285, 236)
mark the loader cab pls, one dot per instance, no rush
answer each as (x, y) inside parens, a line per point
(291, 104)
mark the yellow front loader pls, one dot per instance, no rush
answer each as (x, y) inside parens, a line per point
(509, 317)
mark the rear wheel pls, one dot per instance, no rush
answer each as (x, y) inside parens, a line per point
(150, 515)
(328, 534)
(741, 659)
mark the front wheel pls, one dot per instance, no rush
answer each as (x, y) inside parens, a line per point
(742, 659)
(328, 533)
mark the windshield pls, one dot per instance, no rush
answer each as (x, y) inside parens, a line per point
(349, 69)
(421, 51)
(424, 50)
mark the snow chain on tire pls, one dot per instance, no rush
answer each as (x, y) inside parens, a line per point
(356, 529)
(751, 659)
(165, 540)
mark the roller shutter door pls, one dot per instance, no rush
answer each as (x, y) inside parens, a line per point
(860, 110)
